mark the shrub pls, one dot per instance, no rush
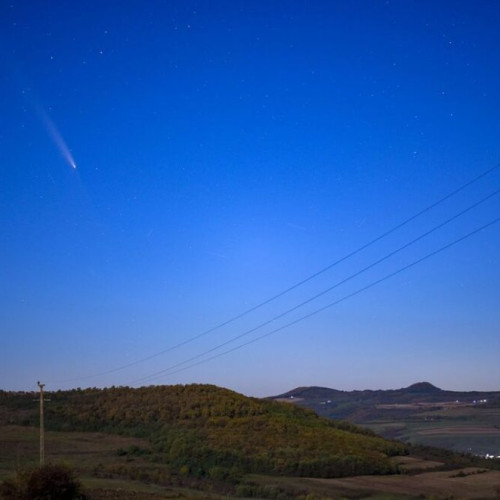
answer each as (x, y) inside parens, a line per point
(43, 483)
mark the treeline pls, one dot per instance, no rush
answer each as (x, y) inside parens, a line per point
(206, 431)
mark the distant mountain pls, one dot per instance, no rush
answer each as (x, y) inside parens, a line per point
(362, 406)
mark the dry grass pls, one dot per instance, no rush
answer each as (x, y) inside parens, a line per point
(461, 430)
(413, 464)
(439, 484)
(124, 489)
(475, 483)
(19, 447)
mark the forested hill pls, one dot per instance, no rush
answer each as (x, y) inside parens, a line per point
(199, 427)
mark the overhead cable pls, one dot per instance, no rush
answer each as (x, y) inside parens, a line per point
(302, 318)
(295, 286)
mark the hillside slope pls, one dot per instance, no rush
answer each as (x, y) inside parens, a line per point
(202, 428)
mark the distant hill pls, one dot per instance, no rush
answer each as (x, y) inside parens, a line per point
(203, 430)
(421, 413)
(309, 392)
(422, 388)
(358, 406)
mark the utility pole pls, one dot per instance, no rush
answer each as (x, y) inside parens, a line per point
(42, 429)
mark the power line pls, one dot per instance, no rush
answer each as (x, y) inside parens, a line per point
(321, 309)
(296, 285)
(341, 282)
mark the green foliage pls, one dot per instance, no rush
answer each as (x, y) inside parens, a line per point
(207, 432)
(49, 482)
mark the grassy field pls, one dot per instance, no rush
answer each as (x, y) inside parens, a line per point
(459, 428)
(463, 483)
(467, 483)
(94, 457)
(19, 448)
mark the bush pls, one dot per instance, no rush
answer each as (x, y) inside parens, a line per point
(49, 482)
(218, 473)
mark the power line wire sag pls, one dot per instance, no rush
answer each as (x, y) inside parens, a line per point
(292, 287)
(321, 309)
(341, 282)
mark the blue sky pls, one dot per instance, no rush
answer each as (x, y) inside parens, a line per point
(226, 151)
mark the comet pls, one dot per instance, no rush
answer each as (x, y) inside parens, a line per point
(56, 136)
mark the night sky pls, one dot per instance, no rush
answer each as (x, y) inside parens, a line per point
(167, 166)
